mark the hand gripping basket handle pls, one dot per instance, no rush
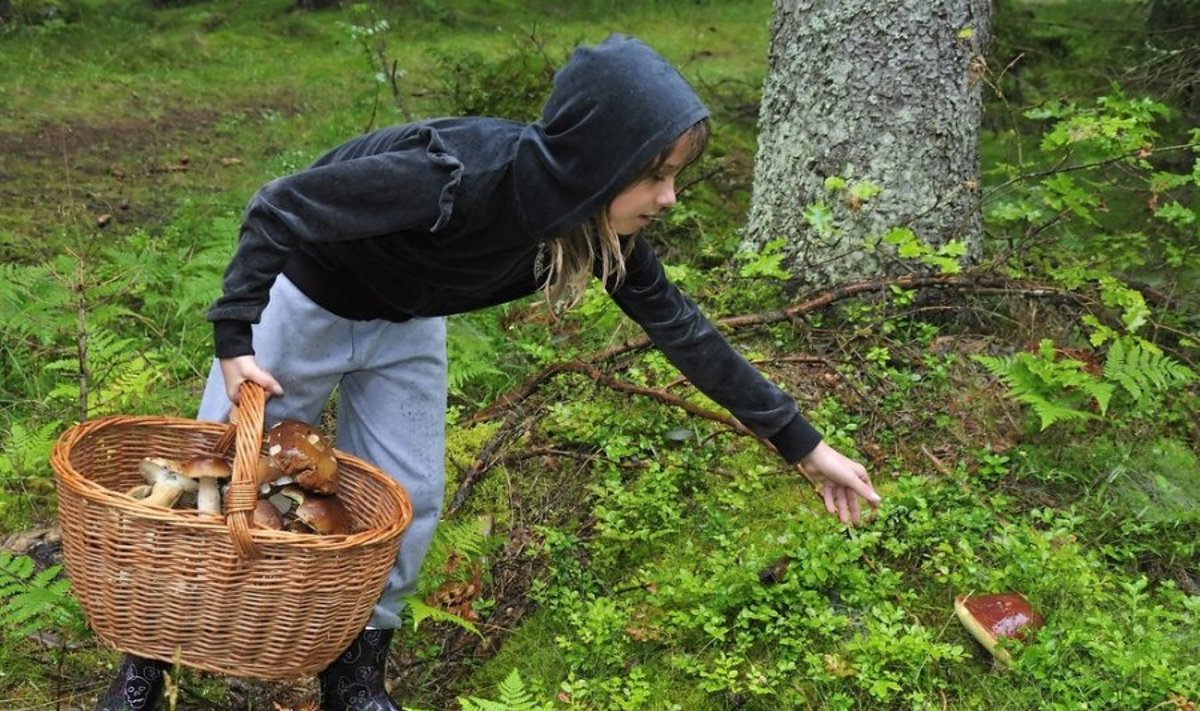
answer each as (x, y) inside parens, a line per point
(246, 431)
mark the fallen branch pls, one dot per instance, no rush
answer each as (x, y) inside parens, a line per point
(482, 462)
(978, 284)
(486, 456)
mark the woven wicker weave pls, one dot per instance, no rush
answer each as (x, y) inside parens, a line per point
(230, 599)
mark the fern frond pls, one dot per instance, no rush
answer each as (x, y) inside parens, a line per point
(471, 354)
(34, 601)
(1144, 371)
(513, 692)
(513, 697)
(1052, 388)
(420, 611)
(1048, 411)
(467, 539)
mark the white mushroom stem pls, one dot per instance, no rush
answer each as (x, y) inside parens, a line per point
(165, 493)
(208, 496)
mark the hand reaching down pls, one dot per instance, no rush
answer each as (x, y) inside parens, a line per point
(841, 481)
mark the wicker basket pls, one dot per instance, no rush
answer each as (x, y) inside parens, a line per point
(226, 598)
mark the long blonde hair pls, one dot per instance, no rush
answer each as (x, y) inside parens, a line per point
(569, 260)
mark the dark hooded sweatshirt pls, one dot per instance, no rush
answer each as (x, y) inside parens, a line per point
(445, 216)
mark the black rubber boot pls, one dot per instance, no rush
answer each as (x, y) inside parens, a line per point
(354, 682)
(137, 687)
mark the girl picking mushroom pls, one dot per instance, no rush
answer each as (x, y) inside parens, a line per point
(344, 271)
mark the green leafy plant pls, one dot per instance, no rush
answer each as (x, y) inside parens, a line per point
(419, 611)
(513, 697)
(1143, 370)
(512, 85)
(768, 262)
(909, 246)
(456, 550)
(472, 351)
(1065, 207)
(1114, 123)
(1057, 389)
(35, 601)
(370, 32)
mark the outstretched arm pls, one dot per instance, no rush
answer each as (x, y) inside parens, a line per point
(691, 342)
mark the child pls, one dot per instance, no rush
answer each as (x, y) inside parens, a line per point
(346, 269)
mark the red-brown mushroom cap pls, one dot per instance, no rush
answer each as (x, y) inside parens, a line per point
(992, 617)
(267, 516)
(323, 514)
(300, 451)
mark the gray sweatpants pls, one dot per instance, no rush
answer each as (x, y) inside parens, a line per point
(391, 408)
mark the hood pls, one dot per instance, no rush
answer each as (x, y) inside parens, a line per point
(614, 107)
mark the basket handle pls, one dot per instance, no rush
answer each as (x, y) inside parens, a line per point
(242, 497)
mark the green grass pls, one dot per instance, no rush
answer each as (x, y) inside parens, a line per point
(129, 90)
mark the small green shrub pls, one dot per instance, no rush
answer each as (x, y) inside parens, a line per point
(512, 86)
(36, 601)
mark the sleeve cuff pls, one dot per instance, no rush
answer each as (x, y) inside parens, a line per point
(796, 439)
(232, 338)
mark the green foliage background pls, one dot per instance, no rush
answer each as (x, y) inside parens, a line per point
(1025, 442)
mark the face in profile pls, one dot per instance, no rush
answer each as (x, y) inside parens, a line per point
(645, 198)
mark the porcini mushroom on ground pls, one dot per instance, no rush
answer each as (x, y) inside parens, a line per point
(166, 479)
(207, 472)
(991, 617)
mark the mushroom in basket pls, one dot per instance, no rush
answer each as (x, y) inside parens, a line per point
(315, 513)
(298, 450)
(297, 479)
(207, 473)
(165, 482)
(267, 516)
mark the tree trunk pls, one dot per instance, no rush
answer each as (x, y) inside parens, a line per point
(878, 95)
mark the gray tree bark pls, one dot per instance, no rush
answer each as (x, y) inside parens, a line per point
(878, 94)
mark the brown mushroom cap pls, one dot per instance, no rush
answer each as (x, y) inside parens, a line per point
(207, 471)
(267, 516)
(206, 468)
(992, 617)
(323, 514)
(267, 471)
(300, 451)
